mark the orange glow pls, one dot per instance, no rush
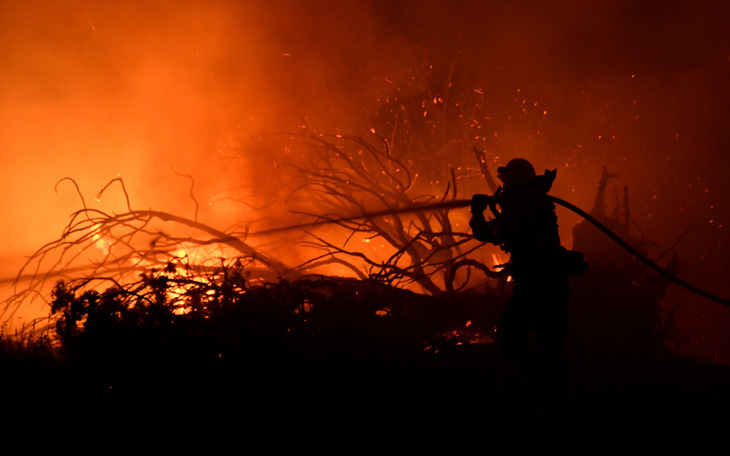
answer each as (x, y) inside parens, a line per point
(96, 90)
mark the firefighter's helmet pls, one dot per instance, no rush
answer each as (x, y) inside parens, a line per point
(517, 170)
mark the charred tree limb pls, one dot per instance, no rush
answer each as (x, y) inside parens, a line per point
(484, 167)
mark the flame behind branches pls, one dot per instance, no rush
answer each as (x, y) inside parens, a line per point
(97, 248)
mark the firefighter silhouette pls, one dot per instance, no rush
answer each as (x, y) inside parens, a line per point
(534, 321)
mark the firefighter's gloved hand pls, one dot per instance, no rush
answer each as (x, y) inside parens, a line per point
(479, 203)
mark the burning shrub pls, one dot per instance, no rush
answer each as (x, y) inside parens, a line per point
(225, 338)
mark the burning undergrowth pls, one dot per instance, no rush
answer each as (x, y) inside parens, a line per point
(221, 303)
(190, 340)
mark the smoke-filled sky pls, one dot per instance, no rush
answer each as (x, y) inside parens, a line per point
(95, 89)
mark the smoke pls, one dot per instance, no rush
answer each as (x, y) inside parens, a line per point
(93, 90)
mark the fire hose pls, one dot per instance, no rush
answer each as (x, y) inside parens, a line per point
(460, 203)
(638, 255)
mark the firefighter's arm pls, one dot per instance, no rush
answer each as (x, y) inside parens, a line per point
(483, 230)
(479, 203)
